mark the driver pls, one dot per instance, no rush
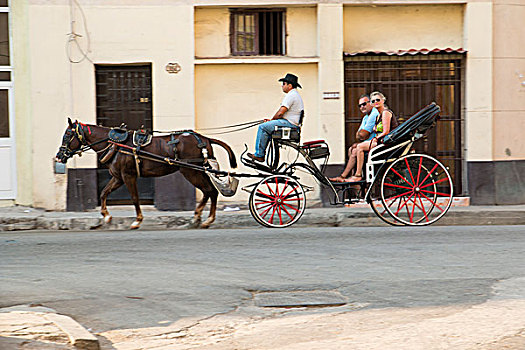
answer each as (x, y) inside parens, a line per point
(288, 115)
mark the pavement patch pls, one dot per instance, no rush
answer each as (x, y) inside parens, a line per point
(293, 299)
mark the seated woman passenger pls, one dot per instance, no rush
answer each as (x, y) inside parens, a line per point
(385, 122)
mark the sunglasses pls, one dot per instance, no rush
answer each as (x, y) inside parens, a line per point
(364, 104)
(376, 100)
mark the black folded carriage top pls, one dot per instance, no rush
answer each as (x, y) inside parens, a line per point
(418, 123)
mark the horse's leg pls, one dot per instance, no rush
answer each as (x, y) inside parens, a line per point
(213, 209)
(111, 186)
(198, 210)
(131, 184)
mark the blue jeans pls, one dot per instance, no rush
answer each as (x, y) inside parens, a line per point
(265, 132)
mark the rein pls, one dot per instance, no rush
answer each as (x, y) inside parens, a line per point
(238, 127)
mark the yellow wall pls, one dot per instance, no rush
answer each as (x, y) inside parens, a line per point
(212, 32)
(509, 80)
(227, 94)
(402, 27)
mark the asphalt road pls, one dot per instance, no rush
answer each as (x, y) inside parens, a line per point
(131, 279)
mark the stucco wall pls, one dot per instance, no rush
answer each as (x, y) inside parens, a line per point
(120, 33)
(509, 80)
(212, 32)
(228, 94)
(384, 28)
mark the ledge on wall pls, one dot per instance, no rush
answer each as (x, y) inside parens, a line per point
(255, 59)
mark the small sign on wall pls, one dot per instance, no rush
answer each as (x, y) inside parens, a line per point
(331, 95)
(173, 68)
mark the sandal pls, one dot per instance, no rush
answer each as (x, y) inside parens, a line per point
(355, 178)
(337, 179)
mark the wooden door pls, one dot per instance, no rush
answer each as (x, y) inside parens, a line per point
(411, 83)
(124, 95)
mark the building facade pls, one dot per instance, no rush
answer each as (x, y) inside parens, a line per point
(179, 64)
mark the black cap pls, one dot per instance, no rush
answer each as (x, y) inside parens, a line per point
(291, 79)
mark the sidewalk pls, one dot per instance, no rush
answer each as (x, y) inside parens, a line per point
(493, 325)
(24, 218)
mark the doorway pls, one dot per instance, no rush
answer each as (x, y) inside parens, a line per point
(409, 84)
(124, 96)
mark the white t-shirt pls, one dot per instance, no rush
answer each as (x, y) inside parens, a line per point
(294, 103)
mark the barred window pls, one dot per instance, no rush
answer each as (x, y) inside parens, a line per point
(257, 32)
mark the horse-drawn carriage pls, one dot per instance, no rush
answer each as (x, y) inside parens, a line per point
(402, 187)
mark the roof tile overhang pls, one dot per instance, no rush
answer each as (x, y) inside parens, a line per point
(448, 50)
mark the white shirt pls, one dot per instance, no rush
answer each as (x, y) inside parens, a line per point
(294, 103)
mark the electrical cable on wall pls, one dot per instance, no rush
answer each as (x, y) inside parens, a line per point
(73, 36)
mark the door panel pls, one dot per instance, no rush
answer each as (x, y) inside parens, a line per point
(409, 84)
(124, 96)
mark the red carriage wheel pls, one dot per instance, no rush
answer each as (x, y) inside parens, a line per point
(377, 206)
(416, 190)
(277, 201)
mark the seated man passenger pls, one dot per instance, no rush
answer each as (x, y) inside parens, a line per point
(364, 133)
(385, 122)
(288, 115)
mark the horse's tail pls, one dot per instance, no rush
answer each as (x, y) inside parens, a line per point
(231, 155)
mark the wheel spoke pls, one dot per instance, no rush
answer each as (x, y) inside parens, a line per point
(293, 199)
(434, 183)
(280, 217)
(404, 204)
(410, 172)
(260, 207)
(259, 192)
(266, 211)
(286, 211)
(419, 170)
(400, 195)
(271, 191)
(291, 207)
(401, 176)
(397, 186)
(263, 202)
(273, 213)
(423, 207)
(289, 192)
(438, 193)
(429, 173)
(434, 203)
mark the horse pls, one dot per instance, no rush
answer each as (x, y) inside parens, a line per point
(124, 166)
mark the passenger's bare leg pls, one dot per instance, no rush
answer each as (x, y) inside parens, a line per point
(352, 159)
(352, 153)
(361, 149)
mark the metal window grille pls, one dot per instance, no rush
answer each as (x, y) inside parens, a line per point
(409, 84)
(257, 32)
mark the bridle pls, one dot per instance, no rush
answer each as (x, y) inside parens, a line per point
(75, 130)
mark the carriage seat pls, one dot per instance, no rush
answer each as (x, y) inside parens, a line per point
(286, 133)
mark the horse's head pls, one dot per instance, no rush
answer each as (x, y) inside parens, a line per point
(72, 141)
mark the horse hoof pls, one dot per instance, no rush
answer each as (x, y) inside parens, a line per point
(107, 219)
(205, 225)
(135, 225)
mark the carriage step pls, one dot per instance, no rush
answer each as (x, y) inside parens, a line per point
(255, 165)
(348, 183)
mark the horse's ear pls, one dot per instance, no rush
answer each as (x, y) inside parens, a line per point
(69, 121)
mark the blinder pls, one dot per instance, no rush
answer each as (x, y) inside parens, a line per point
(73, 131)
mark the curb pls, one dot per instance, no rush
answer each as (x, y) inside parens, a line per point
(78, 335)
(338, 217)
